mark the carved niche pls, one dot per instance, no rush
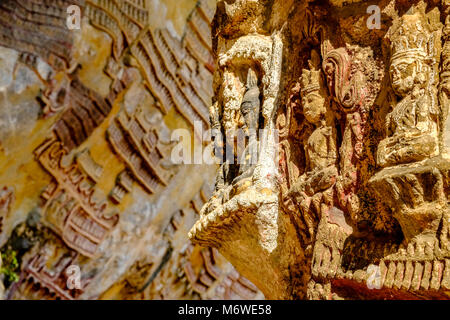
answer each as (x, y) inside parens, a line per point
(362, 185)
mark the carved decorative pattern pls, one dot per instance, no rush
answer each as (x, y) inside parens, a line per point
(123, 186)
(168, 65)
(73, 209)
(38, 28)
(46, 276)
(363, 166)
(137, 143)
(345, 87)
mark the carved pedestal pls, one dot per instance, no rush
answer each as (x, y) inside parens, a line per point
(416, 194)
(359, 205)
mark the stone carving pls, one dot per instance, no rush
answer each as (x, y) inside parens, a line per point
(444, 94)
(253, 204)
(122, 20)
(320, 147)
(73, 207)
(46, 276)
(347, 198)
(345, 87)
(136, 139)
(177, 73)
(38, 29)
(348, 88)
(363, 166)
(87, 111)
(201, 273)
(413, 125)
(213, 279)
(2, 287)
(250, 110)
(232, 284)
(413, 133)
(239, 160)
(124, 185)
(186, 271)
(89, 166)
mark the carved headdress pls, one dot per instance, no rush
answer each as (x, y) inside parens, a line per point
(311, 79)
(413, 39)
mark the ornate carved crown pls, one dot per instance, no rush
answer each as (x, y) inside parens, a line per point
(413, 39)
(311, 79)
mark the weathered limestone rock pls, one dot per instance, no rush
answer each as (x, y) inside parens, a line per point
(91, 204)
(445, 88)
(242, 218)
(412, 126)
(346, 198)
(349, 196)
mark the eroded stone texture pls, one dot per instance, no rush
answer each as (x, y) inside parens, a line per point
(348, 198)
(87, 183)
(351, 200)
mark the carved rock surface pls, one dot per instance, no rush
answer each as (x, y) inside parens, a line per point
(349, 196)
(347, 108)
(91, 204)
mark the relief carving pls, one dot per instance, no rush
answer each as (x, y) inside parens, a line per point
(413, 125)
(6, 202)
(136, 138)
(348, 85)
(46, 276)
(363, 166)
(444, 94)
(73, 94)
(73, 208)
(413, 130)
(251, 203)
(336, 187)
(320, 147)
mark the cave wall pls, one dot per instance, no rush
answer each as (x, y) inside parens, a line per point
(88, 185)
(348, 198)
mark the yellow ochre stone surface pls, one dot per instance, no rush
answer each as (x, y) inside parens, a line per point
(350, 199)
(86, 175)
(346, 103)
